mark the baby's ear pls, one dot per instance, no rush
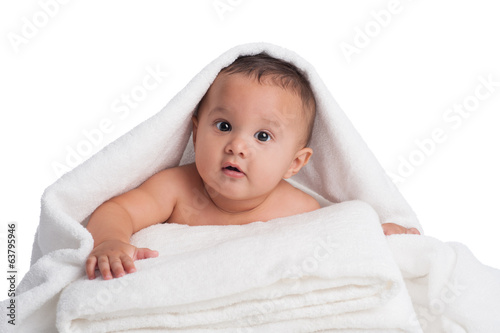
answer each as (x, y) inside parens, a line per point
(301, 159)
(194, 119)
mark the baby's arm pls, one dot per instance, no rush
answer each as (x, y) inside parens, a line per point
(113, 223)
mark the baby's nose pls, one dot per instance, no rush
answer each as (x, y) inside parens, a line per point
(237, 146)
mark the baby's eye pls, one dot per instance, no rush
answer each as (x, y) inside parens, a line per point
(223, 126)
(262, 136)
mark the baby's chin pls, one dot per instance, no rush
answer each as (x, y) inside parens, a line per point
(227, 194)
(233, 193)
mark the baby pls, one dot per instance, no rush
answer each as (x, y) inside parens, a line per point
(250, 133)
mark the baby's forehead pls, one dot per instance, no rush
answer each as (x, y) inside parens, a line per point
(225, 80)
(264, 81)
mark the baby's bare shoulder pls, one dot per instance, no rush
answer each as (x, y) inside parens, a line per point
(307, 202)
(183, 173)
(180, 178)
(297, 201)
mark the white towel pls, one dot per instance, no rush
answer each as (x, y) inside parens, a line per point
(450, 289)
(327, 269)
(342, 169)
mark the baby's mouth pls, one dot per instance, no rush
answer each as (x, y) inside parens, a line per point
(232, 170)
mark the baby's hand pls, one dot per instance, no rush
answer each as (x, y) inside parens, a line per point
(117, 257)
(392, 229)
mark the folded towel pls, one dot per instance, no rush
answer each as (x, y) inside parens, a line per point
(342, 169)
(327, 269)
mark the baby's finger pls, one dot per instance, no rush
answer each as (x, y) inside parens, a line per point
(116, 266)
(90, 267)
(392, 229)
(145, 253)
(128, 264)
(103, 263)
(413, 231)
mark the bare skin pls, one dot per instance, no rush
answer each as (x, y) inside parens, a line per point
(393, 229)
(191, 205)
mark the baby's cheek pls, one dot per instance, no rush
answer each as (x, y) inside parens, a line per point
(200, 165)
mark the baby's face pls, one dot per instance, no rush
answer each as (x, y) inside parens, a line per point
(247, 135)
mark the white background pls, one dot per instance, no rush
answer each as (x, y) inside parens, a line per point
(65, 76)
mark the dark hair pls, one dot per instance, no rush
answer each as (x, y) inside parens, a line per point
(281, 73)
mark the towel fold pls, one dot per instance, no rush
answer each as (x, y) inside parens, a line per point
(450, 289)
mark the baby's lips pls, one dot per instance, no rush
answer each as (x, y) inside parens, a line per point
(232, 166)
(232, 170)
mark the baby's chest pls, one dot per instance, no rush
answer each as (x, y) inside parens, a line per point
(201, 211)
(191, 213)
